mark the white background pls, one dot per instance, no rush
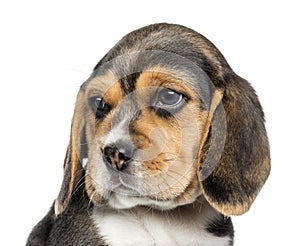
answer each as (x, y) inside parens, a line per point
(47, 49)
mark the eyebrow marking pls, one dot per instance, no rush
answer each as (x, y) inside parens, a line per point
(128, 82)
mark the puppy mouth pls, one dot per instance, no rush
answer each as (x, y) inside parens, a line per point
(124, 190)
(124, 197)
(138, 187)
(129, 185)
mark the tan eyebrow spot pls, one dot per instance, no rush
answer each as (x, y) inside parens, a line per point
(164, 78)
(113, 94)
(154, 78)
(107, 86)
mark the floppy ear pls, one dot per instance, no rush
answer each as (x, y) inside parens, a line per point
(73, 170)
(243, 163)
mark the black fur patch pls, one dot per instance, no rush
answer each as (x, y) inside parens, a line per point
(128, 82)
(221, 227)
(41, 232)
(73, 227)
(162, 112)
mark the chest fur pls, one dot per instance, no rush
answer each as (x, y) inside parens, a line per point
(150, 227)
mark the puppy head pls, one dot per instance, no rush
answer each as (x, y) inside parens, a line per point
(162, 120)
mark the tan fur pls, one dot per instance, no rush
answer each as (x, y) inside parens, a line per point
(158, 76)
(72, 161)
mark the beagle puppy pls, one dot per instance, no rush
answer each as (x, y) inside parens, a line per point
(166, 143)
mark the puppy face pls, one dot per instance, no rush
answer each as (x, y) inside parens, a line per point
(162, 120)
(144, 142)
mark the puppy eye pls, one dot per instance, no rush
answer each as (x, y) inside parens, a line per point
(100, 103)
(99, 106)
(167, 98)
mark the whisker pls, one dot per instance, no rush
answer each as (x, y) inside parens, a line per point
(179, 182)
(79, 186)
(91, 198)
(179, 175)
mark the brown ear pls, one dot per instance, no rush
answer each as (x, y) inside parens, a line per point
(243, 163)
(73, 170)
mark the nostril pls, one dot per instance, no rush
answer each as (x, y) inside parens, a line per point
(123, 156)
(110, 150)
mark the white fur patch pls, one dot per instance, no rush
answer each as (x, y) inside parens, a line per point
(144, 226)
(84, 162)
(116, 133)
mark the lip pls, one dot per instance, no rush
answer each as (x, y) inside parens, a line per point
(125, 190)
(136, 186)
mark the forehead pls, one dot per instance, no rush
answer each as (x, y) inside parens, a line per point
(133, 71)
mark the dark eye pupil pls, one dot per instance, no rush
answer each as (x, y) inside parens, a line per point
(169, 97)
(100, 107)
(99, 103)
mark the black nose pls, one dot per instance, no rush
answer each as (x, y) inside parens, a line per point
(118, 158)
